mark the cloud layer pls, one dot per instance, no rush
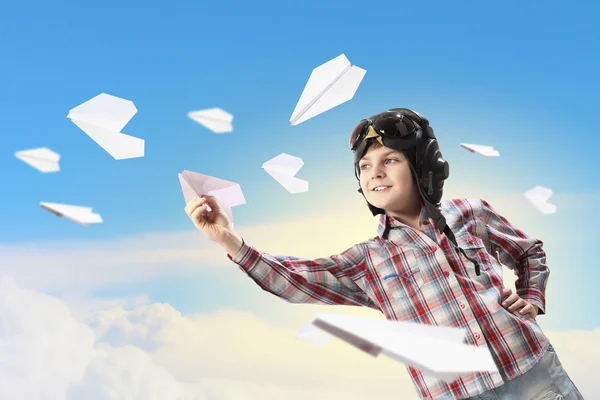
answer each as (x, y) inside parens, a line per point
(152, 352)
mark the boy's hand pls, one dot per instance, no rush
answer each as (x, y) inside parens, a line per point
(214, 224)
(513, 302)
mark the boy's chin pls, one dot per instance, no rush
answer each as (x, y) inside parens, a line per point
(383, 206)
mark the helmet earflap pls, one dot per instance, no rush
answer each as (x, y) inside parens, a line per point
(433, 171)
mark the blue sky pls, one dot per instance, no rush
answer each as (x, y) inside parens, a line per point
(522, 77)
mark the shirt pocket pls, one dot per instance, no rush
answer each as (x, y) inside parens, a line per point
(400, 274)
(474, 248)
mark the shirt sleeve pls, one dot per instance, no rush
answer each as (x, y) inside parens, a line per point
(522, 253)
(327, 280)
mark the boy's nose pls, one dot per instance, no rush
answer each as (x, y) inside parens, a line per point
(377, 172)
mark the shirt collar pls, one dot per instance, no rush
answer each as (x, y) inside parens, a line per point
(387, 222)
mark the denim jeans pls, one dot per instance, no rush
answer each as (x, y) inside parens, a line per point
(547, 380)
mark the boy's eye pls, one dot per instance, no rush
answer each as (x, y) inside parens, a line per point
(385, 162)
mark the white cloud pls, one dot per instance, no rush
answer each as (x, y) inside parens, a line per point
(152, 352)
(128, 373)
(43, 349)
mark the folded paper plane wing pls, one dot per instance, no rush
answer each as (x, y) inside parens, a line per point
(228, 194)
(329, 85)
(81, 215)
(487, 151)
(310, 333)
(42, 158)
(215, 119)
(283, 168)
(538, 196)
(102, 118)
(436, 351)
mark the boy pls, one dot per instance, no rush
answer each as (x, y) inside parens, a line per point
(431, 263)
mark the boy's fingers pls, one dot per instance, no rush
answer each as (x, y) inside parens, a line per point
(529, 309)
(197, 216)
(517, 304)
(506, 292)
(510, 299)
(193, 204)
(212, 201)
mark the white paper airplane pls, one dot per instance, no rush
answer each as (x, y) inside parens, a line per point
(102, 119)
(228, 194)
(328, 86)
(538, 196)
(79, 214)
(41, 158)
(215, 119)
(283, 168)
(310, 333)
(487, 151)
(436, 351)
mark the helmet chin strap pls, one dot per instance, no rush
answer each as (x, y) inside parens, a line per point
(433, 210)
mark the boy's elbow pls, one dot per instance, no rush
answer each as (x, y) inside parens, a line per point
(534, 251)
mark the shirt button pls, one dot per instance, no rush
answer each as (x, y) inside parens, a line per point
(425, 222)
(447, 273)
(477, 336)
(434, 249)
(461, 305)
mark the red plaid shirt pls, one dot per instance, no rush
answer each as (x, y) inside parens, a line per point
(419, 276)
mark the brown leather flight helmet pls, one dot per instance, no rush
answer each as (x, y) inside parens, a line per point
(408, 131)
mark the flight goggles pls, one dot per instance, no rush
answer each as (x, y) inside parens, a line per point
(388, 124)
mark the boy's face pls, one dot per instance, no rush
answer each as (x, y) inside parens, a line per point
(381, 166)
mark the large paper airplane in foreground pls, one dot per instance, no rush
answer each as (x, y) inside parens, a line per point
(42, 158)
(228, 194)
(310, 333)
(436, 351)
(283, 168)
(487, 151)
(79, 214)
(215, 119)
(328, 86)
(102, 118)
(539, 196)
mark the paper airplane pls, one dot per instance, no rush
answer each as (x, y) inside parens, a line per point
(283, 168)
(228, 194)
(215, 119)
(102, 119)
(41, 158)
(436, 351)
(79, 214)
(487, 151)
(328, 86)
(538, 196)
(310, 333)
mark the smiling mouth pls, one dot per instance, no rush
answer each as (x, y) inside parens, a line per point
(380, 189)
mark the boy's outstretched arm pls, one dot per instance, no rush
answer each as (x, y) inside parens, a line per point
(328, 280)
(520, 252)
